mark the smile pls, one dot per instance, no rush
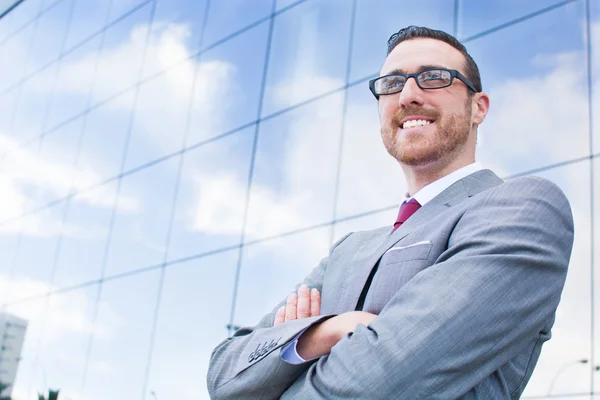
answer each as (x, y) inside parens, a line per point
(414, 123)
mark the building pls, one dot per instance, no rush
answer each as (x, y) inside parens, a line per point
(171, 168)
(12, 336)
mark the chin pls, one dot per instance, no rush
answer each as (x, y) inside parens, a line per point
(417, 158)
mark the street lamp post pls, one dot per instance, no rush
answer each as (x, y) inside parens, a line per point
(563, 369)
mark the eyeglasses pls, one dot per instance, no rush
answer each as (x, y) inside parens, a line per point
(429, 79)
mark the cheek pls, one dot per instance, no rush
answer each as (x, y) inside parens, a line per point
(386, 111)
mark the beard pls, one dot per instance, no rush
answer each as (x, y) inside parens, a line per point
(451, 133)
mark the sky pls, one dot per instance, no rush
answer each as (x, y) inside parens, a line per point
(148, 142)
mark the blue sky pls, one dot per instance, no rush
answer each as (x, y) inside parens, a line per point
(534, 71)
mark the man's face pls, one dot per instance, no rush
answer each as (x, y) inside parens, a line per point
(447, 111)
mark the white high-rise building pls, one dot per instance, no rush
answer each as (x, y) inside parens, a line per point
(12, 335)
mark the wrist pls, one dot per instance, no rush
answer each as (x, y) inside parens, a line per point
(318, 340)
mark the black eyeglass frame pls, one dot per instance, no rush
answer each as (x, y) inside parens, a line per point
(453, 74)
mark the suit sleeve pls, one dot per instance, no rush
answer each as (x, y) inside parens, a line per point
(493, 291)
(248, 365)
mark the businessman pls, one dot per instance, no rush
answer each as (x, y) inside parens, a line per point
(455, 300)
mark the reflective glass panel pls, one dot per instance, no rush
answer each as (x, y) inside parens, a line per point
(369, 177)
(209, 212)
(272, 269)
(295, 170)
(143, 217)
(558, 363)
(117, 363)
(536, 96)
(194, 312)
(308, 54)
(377, 20)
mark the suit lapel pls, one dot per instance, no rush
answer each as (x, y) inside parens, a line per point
(454, 194)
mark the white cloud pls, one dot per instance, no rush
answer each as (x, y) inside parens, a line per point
(163, 101)
(29, 180)
(61, 314)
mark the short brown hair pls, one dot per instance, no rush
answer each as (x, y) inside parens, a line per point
(414, 32)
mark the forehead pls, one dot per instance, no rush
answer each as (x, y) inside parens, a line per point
(410, 55)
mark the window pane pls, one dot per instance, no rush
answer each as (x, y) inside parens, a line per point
(295, 169)
(227, 17)
(199, 98)
(85, 232)
(273, 268)
(308, 53)
(34, 260)
(377, 20)
(476, 16)
(27, 11)
(89, 17)
(370, 178)
(52, 28)
(120, 62)
(50, 166)
(106, 131)
(209, 212)
(32, 101)
(118, 359)
(143, 217)
(194, 312)
(536, 96)
(17, 49)
(571, 332)
(177, 28)
(75, 82)
(228, 85)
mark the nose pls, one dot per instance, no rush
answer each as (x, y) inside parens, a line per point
(411, 94)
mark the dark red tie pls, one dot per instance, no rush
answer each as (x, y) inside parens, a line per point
(406, 210)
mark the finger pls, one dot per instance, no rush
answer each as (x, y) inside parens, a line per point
(315, 302)
(279, 316)
(303, 302)
(290, 307)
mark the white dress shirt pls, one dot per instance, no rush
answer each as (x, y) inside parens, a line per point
(289, 353)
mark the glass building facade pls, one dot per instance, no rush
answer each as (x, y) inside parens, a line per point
(171, 169)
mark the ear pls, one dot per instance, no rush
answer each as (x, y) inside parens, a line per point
(481, 105)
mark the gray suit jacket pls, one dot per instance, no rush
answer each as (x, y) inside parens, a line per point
(465, 291)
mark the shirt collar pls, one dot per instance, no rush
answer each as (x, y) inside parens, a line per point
(427, 193)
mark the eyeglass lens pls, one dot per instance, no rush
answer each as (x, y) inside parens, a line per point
(432, 79)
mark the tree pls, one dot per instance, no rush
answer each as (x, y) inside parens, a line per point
(3, 387)
(52, 395)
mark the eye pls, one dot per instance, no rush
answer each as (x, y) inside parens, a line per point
(394, 82)
(432, 76)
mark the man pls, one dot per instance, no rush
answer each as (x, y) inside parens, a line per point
(453, 302)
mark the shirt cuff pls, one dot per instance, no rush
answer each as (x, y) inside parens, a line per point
(289, 354)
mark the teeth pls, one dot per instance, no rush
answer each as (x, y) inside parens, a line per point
(415, 122)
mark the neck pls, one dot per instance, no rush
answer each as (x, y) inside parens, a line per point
(417, 177)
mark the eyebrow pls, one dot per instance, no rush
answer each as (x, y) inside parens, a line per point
(420, 69)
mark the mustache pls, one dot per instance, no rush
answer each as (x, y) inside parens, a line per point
(407, 112)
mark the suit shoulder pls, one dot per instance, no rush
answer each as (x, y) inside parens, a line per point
(532, 186)
(355, 237)
(373, 233)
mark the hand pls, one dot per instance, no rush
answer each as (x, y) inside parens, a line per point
(306, 303)
(319, 339)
